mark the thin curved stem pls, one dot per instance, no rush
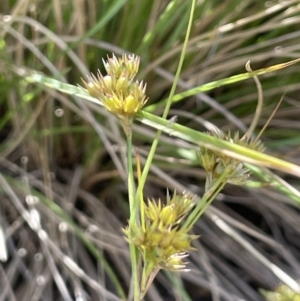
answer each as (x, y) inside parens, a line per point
(132, 207)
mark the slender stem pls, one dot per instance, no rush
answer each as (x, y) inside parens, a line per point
(209, 195)
(133, 201)
(149, 273)
(146, 169)
(132, 207)
(141, 200)
(130, 174)
(259, 107)
(168, 104)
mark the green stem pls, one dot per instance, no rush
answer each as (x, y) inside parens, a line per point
(149, 273)
(130, 175)
(133, 209)
(209, 195)
(155, 143)
(168, 104)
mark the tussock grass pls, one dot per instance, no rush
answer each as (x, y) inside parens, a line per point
(66, 242)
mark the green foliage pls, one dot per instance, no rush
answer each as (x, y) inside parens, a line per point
(59, 145)
(282, 293)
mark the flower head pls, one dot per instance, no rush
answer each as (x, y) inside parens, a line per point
(281, 293)
(216, 163)
(172, 213)
(162, 241)
(125, 67)
(116, 90)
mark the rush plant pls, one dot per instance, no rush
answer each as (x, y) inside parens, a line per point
(127, 136)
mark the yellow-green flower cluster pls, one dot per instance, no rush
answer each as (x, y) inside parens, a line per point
(282, 293)
(117, 91)
(161, 240)
(216, 163)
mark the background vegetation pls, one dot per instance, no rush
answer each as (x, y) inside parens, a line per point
(63, 177)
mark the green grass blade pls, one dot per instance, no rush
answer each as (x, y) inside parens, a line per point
(177, 130)
(229, 149)
(220, 83)
(107, 16)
